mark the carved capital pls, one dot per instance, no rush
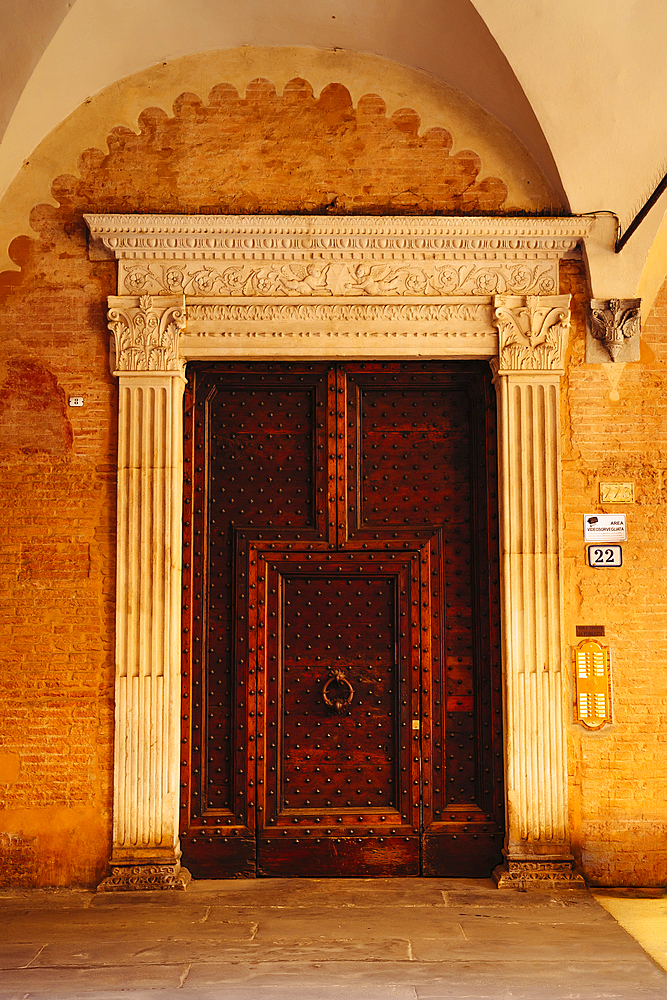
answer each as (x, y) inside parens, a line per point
(546, 874)
(148, 876)
(146, 333)
(614, 323)
(532, 332)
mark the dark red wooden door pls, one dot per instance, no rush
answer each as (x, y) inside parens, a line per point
(342, 705)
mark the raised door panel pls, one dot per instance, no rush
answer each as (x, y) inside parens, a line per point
(256, 466)
(420, 442)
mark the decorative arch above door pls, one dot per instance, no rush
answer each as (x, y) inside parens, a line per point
(273, 288)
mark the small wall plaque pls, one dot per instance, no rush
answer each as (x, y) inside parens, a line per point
(605, 556)
(591, 663)
(590, 630)
(605, 528)
(617, 492)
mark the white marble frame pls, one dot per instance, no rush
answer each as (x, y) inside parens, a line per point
(284, 287)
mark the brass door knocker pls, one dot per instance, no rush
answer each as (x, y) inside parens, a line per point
(337, 700)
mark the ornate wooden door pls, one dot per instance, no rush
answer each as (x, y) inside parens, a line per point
(341, 675)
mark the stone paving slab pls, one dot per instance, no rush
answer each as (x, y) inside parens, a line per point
(369, 923)
(92, 980)
(539, 946)
(46, 927)
(503, 974)
(16, 956)
(67, 899)
(209, 952)
(239, 992)
(297, 892)
(643, 914)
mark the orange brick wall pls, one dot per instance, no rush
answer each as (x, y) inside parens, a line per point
(618, 776)
(267, 154)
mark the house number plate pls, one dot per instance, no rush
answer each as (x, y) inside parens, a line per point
(604, 556)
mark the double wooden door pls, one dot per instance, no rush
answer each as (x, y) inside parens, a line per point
(341, 674)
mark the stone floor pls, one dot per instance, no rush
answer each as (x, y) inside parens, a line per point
(294, 939)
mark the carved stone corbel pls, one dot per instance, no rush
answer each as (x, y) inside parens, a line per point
(613, 331)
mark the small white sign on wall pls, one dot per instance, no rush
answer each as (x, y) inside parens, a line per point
(605, 528)
(605, 556)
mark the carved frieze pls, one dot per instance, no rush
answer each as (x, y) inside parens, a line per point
(461, 327)
(146, 333)
(613, 333)
(532, 332)
(370, 277)
(477, 314)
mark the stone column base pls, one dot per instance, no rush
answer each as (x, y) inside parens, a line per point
(132, 877)
(535, 874)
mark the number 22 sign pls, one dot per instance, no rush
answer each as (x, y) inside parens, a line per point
(605, 556)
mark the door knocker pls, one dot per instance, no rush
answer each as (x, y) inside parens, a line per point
(338, 699)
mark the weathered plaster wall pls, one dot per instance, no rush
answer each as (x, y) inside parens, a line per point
(120, 105)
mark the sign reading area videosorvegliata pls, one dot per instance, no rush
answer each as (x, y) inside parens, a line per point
(605, 528)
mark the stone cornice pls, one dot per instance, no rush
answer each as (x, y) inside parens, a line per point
(206, 286)
(332, 237)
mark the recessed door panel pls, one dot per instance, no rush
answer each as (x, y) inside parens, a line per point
(339, 779)
(341, 653)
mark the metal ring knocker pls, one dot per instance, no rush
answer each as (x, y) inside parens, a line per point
(337, 702)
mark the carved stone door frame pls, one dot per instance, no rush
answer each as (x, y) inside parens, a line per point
(260, 287)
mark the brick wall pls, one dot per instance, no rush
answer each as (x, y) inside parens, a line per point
(617, 432)
(265, 153)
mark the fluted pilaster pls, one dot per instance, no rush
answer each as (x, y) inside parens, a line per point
(150, 473)
(532, 340)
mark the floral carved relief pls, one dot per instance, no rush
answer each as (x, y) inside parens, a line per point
(145, 877)
(146, 336)
(532, 332)
(461, 313)
(374, 278)
(614, 324)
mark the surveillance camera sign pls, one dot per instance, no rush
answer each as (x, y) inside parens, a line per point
(605, 528)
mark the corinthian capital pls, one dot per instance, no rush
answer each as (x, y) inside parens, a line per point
(146, 331)
(532, 332)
